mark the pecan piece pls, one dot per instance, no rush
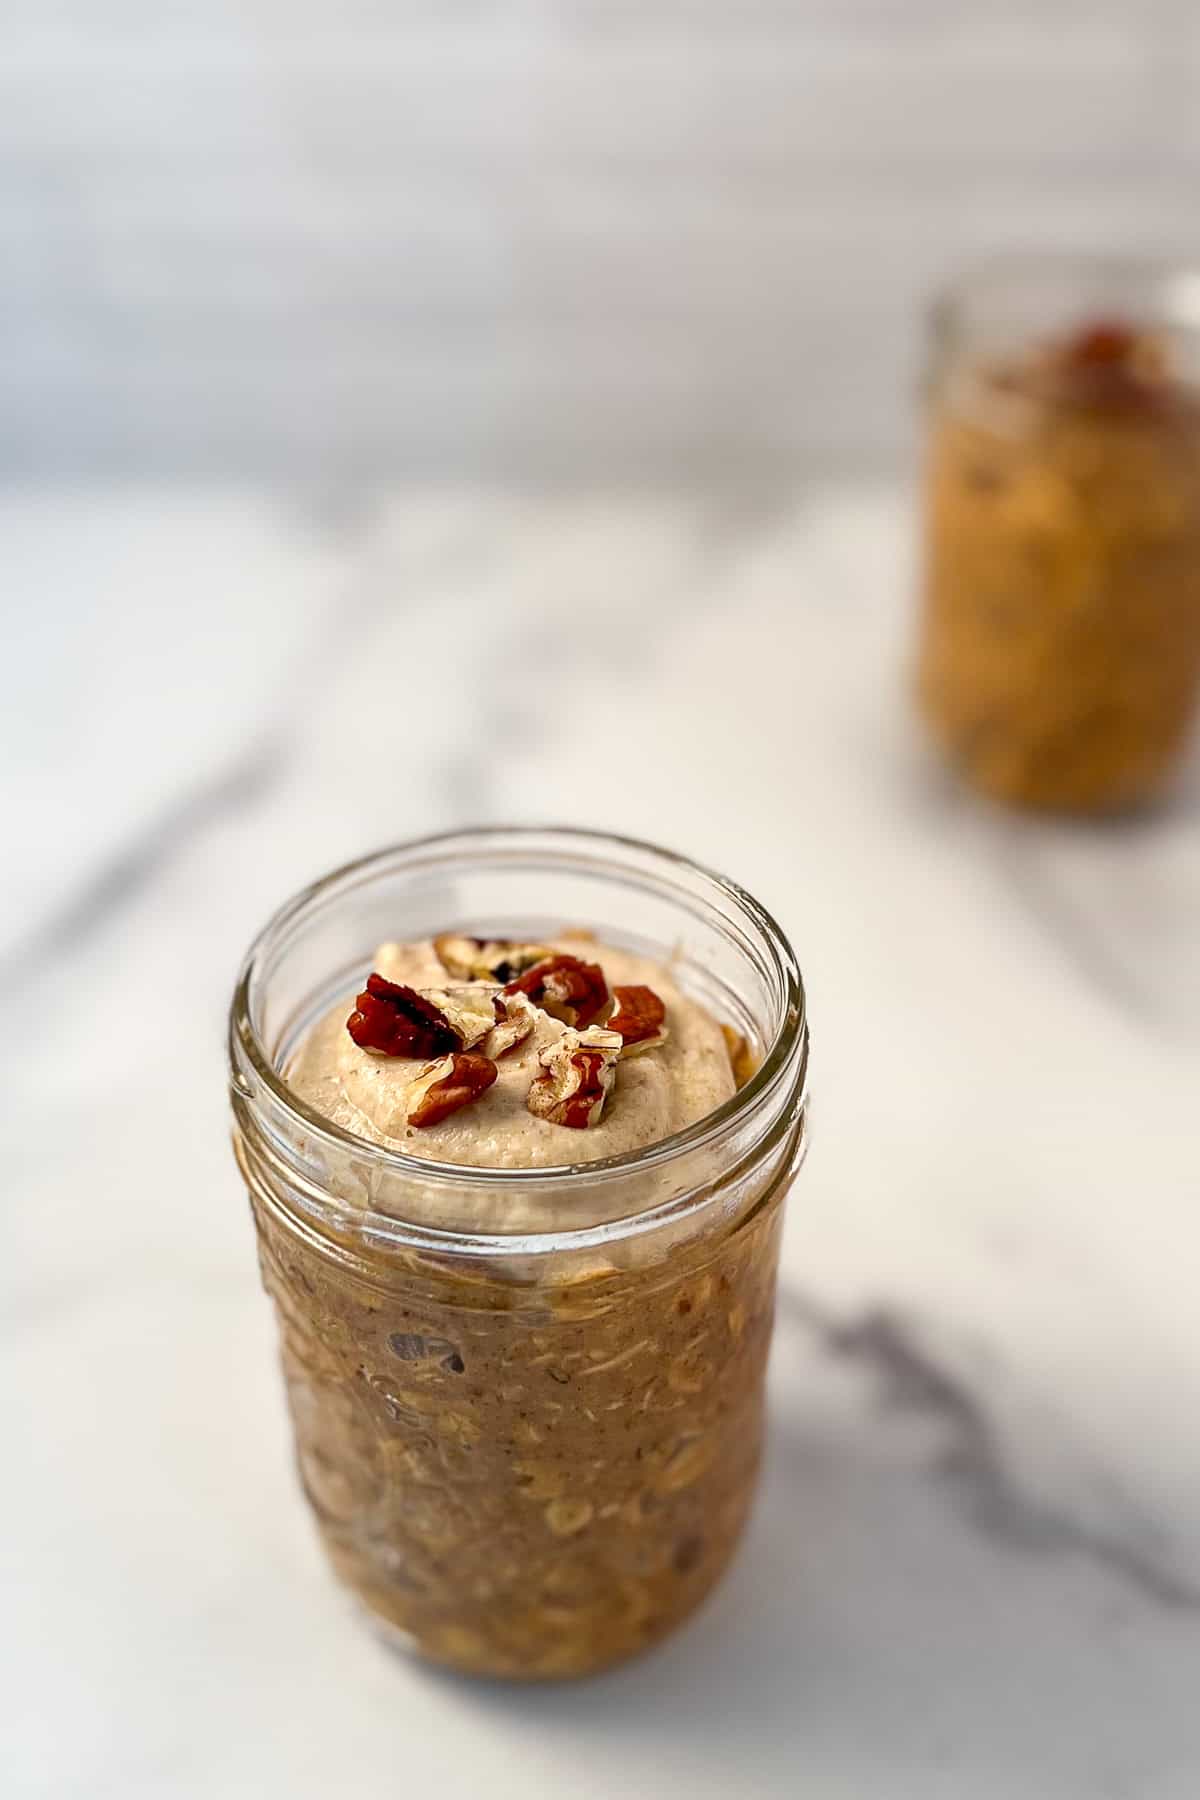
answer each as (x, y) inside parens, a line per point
(394, 1020)
(1109, 364)
(639, 1017)
(577, 1072)
(516, 1016)
(486, 959)
(469, 1010)
(566, 987)
(1100, 343)
(448, 1085)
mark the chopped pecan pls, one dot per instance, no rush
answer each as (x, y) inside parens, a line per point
(577, 1072)
(1102, 342)
(456, 954)
(394, 1020)
(486, 959)
(448, 1085)
(1109, 364)
(566, 987)
(470, 1010)
(639, 1017)
(516, 1016)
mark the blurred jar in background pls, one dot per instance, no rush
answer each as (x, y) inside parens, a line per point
(1060, 637)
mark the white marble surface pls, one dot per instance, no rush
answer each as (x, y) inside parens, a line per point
(975, 1572)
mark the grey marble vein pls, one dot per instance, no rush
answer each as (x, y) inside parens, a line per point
(1072, 932)
(244, 781)
(542, 654)
(910, 1378)
(736, 515)
(87, 912)
(1119, 962)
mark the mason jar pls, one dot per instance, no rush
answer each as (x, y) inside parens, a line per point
(530, 1449)
(1059, 654)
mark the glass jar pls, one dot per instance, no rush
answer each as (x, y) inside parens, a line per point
(529, 1453)
(1060, 645)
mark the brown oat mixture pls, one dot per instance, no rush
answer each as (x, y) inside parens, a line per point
(528, 1481)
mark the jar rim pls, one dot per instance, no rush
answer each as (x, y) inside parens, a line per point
(780, 1057)
(1169, 285)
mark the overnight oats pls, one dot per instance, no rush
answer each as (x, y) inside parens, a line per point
(1060, 653)
(518, 1111)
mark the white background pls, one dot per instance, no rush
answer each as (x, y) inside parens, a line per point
(627, 234)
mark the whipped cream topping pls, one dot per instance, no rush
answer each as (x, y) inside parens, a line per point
(652, 1095)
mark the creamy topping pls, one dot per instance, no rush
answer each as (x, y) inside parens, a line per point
(682, 1078)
